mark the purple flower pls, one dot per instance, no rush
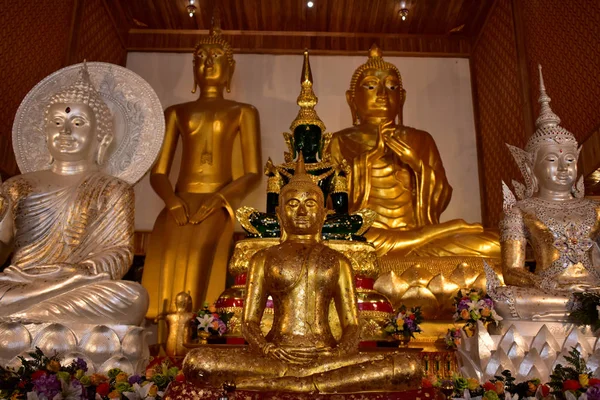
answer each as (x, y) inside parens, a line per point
(48, 385)
(593, 392)
(488, 302)
(222, 327)
(410, 324)
(463, 304)
(81, 364)
(135, 379)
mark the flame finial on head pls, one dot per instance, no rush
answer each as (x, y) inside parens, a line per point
(547, 117)
(214, 37)
(302, 181)
(307, 100)
(548, 129)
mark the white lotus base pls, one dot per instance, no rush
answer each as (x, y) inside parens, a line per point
(528, 349)
(102, 346)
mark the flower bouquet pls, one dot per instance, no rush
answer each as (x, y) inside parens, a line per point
(46, 378)
(453, 338)
(208, 322)
(404, 324)
(574, 381)
(474, 306)
(501, 387)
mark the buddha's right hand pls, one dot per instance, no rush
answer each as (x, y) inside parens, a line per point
(178, 210)
(383, 131)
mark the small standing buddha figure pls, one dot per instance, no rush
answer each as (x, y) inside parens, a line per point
(189, 246)
(300, 354)
(554, 218)
(73, 224)
(308, 136)
(397, 172)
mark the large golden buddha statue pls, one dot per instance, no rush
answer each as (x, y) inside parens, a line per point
(554, 218)
(300, 354)
(189, 246)
(397, 172)
(73, 224)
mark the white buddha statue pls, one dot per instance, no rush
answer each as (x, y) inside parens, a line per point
(72, 238)
(555, 219)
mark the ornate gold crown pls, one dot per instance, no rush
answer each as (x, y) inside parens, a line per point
(307, 100)
(375, 61)
(548, 128)
(83, 92)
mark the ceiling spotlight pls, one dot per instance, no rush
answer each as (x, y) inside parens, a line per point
(403, 13)
(191, 9)
(310, 4)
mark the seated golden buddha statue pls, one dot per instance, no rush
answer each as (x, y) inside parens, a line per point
(73, 224)
(397, 172)
(182, 256)
(554, 218)
(300, 354)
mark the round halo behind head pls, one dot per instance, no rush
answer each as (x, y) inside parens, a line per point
(126, 107)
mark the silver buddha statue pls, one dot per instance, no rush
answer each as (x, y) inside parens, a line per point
(553, 217)
(72, 238)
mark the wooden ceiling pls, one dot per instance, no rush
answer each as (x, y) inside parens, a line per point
(432, 27)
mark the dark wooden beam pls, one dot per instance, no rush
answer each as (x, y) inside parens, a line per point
(292, 42)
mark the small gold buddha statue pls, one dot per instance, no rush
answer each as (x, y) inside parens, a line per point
(299, 354)
(189, 246)
(179, 325)
(397, 172)
(73, 224)
(553, 217)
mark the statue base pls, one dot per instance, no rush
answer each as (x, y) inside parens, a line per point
(186, 391)
(529, 349)
(102, 346)
(430, 282)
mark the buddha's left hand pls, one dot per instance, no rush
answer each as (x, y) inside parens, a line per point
(213, 203)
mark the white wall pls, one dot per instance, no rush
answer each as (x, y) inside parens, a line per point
(438, 101)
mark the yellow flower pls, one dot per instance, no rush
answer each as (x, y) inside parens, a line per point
(464, 314)
(472, 384)
(114, 395)
(212, 308)
(53, 366)
(153, 390)
(486, 312)
(97, 379)
(499, 387)
(121, 377)
(584, 380)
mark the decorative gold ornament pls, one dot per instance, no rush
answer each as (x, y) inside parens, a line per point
(307, 100)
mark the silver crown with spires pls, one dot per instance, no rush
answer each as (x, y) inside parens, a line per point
(548, 129)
